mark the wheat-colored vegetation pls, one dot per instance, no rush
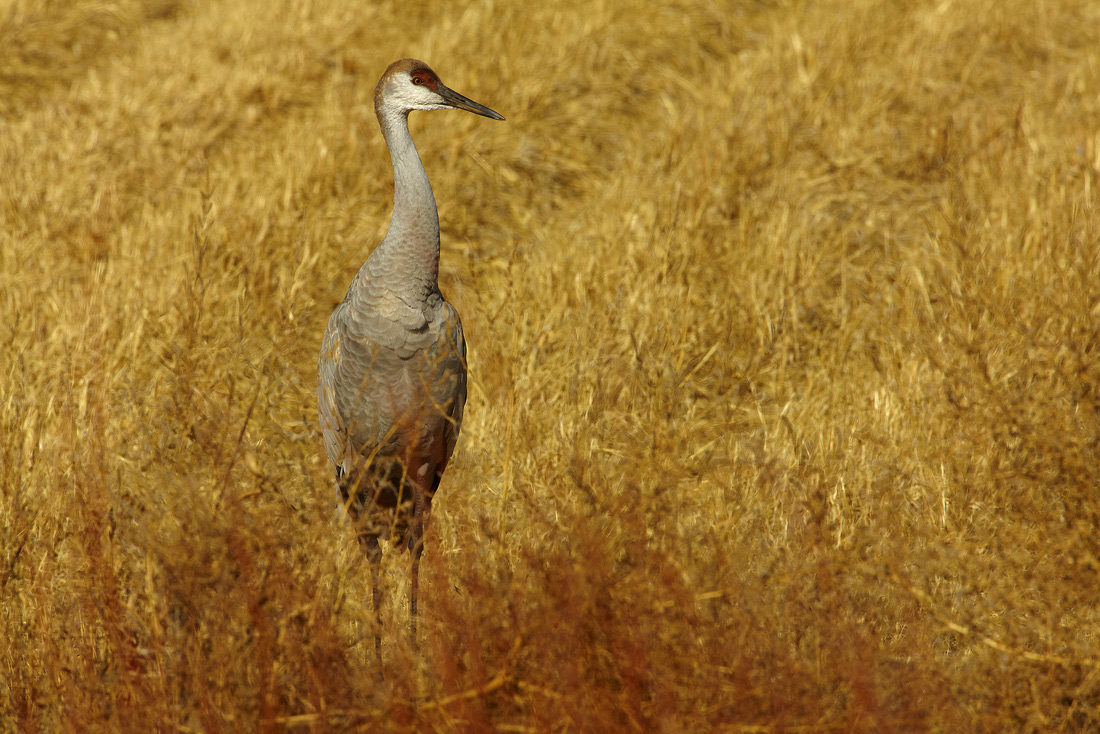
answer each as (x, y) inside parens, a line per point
(784, 326)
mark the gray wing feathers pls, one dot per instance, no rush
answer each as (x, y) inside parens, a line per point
(385, 387)
(333, 428)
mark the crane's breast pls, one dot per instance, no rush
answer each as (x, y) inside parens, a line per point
(386, 389)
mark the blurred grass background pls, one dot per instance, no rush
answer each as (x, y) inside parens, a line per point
(784, 322)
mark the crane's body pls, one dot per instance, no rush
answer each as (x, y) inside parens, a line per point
(392, 368)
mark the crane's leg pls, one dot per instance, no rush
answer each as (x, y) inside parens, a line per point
(366, 529)
(368, 541)
(366, 532)
(416, 547)
(422, 506)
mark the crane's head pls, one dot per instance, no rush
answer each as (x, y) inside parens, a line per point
(410, 85)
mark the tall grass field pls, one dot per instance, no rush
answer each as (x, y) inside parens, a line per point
(784, 354)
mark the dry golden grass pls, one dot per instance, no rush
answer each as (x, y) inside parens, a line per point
(784, 326)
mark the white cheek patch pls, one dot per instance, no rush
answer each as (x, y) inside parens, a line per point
(413, 96)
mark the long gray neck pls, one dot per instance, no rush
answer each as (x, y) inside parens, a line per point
(409, 254)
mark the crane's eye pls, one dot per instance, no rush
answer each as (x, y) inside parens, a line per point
(418, 80)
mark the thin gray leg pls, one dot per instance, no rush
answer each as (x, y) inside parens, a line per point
(369, 543)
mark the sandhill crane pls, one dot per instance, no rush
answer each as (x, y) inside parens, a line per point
(392, 366)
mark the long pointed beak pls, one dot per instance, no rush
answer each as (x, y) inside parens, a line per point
(456, 100)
